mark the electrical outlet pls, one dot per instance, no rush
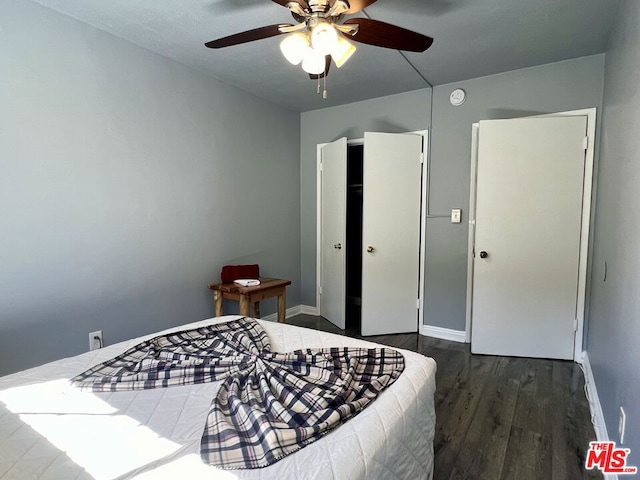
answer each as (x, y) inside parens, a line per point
(621, 425)
(95, 340)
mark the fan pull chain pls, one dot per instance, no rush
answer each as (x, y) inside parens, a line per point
(318, 92)
(324, 92)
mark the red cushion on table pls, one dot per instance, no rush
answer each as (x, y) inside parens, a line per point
(233, 272)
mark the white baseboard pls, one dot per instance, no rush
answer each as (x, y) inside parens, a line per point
(594, 401)
(443, 333)
(309, 310)
(292, 312)
(594, 406)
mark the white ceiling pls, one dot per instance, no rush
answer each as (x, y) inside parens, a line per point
(472, 38)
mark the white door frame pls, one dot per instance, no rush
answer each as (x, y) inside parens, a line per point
(590, 113)
(423, 222)
(472, 228)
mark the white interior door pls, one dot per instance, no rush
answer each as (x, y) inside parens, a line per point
(391, 232)
(333, 237)
(530, 175)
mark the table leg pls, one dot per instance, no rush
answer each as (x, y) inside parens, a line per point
(245, 306)
(217, 300)
(282, 306)
(256, 309)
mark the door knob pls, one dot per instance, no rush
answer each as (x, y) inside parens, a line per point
(370, 249)
(337, 246)
(483, 254)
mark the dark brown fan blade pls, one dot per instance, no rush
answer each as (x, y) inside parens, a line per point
(357, 5)
(248, 36)
(327, 65)
(302, 3)
(381, 34)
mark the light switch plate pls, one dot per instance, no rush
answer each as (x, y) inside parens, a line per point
(456, 214)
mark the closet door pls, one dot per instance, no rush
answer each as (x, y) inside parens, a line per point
(391, 232)
(333, 237)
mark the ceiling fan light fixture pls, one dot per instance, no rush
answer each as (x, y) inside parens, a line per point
(324, 38)
(321, 37)
(343, 51)
(295, 47)
(313, 62)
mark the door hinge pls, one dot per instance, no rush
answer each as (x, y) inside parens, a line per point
(421, 157)
(320, 166)
(585, 143)
(418, 303)
(320, 289)
(575, 324)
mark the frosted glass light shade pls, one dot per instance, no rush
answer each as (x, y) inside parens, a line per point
(343, 51)
(294, 47)
(313, 62)
(324, 38)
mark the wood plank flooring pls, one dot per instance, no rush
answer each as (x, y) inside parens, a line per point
(499, 417)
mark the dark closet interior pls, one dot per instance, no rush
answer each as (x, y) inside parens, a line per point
(355, 155)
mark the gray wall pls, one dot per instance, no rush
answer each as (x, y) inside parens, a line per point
(126, 182)
(567, 85)
(615, 306)
(400, 113)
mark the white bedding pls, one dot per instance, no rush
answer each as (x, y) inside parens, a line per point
(49, 429)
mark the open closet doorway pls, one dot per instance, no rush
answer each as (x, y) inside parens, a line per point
(370, 232)
(355, 156)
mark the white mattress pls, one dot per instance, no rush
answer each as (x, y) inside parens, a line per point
(51, 430)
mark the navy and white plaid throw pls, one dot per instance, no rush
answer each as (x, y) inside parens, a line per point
(270, 404)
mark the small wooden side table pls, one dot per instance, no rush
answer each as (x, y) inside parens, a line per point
(247, 296)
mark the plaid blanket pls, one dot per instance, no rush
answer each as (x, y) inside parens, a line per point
(270, 404)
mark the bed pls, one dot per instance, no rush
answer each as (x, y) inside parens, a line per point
(49, 429)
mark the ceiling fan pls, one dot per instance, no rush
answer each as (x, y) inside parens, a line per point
(321, 35)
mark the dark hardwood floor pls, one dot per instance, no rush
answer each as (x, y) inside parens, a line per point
(498, 417)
